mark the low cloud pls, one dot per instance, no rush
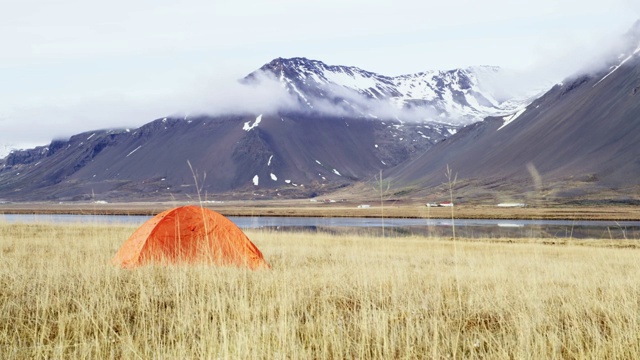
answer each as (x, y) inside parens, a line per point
(230, 96)
(597, 56)
(264, 93)
(28, 126)
(566, 62)
(353, 103)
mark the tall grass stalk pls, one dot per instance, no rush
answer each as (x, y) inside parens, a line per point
(383, 189)
(326, 297)
(538, 194)
(194, 173)
(451, 183)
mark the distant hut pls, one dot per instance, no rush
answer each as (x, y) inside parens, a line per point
(512, 205)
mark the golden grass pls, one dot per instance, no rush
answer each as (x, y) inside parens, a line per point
(326, 297)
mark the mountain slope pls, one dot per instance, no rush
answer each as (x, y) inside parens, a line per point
(582, 137)
(289, 154)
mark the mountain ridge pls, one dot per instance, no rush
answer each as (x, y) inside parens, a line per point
(267, 155)
(453, 96)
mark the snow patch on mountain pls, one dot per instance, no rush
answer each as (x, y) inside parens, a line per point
(255, 124)
(134, 150)
(356, 81)
(509, 119)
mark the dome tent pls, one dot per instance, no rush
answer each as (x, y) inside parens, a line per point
(189, 234)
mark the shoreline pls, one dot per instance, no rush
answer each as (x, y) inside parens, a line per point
(285, 209)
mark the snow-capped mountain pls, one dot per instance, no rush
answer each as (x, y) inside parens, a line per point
(458, 96)
(348, 125)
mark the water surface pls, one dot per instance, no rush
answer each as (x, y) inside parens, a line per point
(392, 227)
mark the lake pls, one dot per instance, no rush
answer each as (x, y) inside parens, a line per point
(392, 227)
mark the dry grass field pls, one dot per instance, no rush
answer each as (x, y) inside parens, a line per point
(326, 297)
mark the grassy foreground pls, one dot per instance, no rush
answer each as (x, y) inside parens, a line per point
(328, 297)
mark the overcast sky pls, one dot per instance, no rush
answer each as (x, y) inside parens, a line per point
(75, 65)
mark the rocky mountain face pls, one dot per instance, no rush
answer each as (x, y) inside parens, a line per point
(579, 140)
(241, 156)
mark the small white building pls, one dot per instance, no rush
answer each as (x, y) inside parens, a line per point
(364, 206)
(512, 205)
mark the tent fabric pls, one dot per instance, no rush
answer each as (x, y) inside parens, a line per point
(189, 234)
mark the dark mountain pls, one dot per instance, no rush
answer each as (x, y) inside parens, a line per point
(267, 155)
(582, 138)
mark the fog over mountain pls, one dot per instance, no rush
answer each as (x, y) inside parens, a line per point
(52, 112)
(69, 66)
(413, 97)
(289, 147)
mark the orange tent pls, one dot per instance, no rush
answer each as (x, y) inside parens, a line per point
(190, 234)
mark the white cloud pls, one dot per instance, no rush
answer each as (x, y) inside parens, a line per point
(62, 117)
